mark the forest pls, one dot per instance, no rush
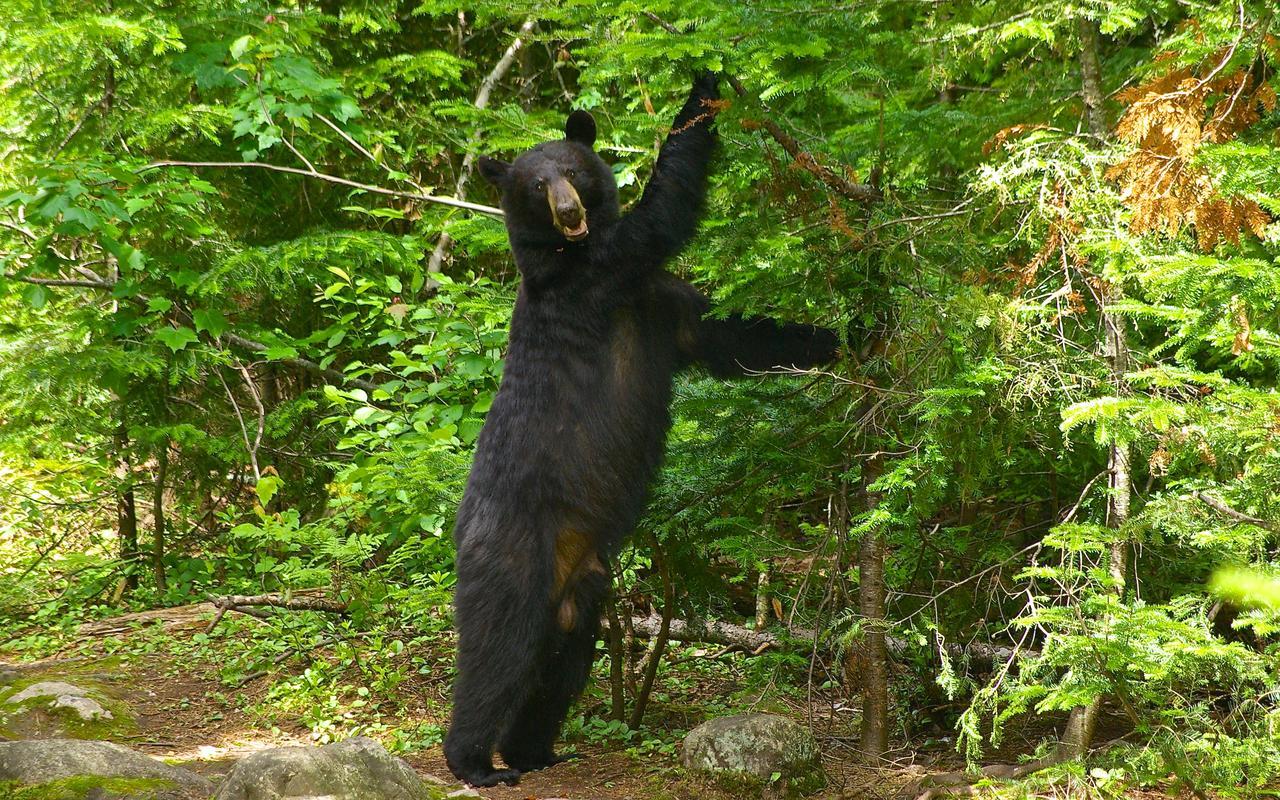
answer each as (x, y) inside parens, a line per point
(1021, 539)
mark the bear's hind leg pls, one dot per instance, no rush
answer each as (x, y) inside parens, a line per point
(529, 744)
(499, 639)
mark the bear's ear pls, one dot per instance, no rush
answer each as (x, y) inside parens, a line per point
(493, 170)
(580, 127)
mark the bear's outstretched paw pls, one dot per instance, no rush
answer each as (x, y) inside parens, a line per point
(706, 84)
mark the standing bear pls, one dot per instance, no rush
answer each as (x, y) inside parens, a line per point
(576, 432)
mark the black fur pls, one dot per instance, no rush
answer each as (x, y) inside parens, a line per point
(577, 430)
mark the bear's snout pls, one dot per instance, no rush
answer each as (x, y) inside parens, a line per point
(566, 210)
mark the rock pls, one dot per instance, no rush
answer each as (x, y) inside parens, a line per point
(64, 695)
(74, 768)
(355, 769)
(756, 746)
(55, 709)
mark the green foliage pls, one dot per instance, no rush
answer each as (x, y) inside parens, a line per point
(264, 358)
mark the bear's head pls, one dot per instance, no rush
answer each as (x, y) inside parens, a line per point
(558, 190)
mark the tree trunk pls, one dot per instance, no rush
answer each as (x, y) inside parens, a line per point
(872, 655)
(617, 680)
(1091, 79)
(157, 512)
(126, 508)
(875, 655)
(762, 598)
(1083, 722)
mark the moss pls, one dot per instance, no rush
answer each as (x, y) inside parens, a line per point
(33, 717)
(744, 785)
(81, 787)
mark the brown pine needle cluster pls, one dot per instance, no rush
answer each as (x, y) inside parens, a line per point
(1169, 118)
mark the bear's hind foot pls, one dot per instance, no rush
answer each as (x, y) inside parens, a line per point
(492, 777)
(526, 763)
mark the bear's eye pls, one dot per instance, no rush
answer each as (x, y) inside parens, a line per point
(539, 185)
(573, 173)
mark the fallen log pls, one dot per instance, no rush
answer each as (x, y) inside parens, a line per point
(291, 602)
(711, 631)
(244, 603)
(172, 618)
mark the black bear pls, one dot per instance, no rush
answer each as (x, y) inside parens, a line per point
(576, 432)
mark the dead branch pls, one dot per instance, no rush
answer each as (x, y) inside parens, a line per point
(323, 176)
(660, 639)
(727, 634)
(302, 363)
(1239, 516)
(171, 619)
(858, 192)
(290, 602)
(499, 70)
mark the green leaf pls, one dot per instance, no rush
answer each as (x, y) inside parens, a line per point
(175, 338)
(35, 295)
(210, 321)
(267, 487)
(240, 46)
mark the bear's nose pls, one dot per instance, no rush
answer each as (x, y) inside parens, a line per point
(569, 213)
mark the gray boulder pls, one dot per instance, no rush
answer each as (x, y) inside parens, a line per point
(82, 768)
(62, 695)
(756, 747)
(355, 769)
(57, 709)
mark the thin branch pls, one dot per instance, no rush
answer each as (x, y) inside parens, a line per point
(496, 74)
(858, 192)
(85, 284)
(364, 151)
(88, 112)
(244, 430)
(262, 411)
(302, 363)
(1239, 516)
(322, 176)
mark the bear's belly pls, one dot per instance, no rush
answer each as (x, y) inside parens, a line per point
(577, 431)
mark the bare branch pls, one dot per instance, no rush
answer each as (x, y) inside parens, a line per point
(291, 602)
(322, 176)
(303, 363)
(85, 284)
(1239, 516)
(496, 74)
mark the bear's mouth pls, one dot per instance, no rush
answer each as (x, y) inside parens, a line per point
(577, 232)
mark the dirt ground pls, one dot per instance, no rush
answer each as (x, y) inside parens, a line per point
(186, 713)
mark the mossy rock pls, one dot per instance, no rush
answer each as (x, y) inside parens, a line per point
(357, 767)
(96, 787)
(37, 707)
(756, 754)
(71, 769)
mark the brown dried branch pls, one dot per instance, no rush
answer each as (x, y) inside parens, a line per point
(858, 192)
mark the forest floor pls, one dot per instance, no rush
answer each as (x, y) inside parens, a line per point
(187, 712)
